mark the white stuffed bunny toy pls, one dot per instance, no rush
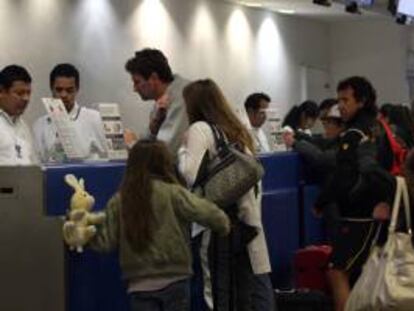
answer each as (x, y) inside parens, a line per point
(80, 226)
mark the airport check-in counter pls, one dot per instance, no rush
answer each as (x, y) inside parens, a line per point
(43, 275)
(32, 272)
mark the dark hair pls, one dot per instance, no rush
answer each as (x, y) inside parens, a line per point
(338, 121)
(1, 79)
(14, 73)
(308, 109)
(400, 116)
(363, 92)
(64, 70)
(386, 110)
(148, 61)
(148, 160)
(327, 103)
(253, 100)
(205, 102)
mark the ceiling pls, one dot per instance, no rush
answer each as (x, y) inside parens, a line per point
(307, 8)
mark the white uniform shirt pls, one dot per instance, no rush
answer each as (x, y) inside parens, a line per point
(260, 140)
(16, 144)
(87, 123)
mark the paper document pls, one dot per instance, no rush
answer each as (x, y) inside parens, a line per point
(114, 131)
(68, 136)
(273, 129)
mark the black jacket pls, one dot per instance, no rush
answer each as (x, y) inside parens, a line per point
(358, 182)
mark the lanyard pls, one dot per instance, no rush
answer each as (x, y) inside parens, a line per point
(76, 116)
(17, 145)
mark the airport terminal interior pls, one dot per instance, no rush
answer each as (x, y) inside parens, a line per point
(206, 155)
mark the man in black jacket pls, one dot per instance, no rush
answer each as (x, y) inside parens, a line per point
(359, 187)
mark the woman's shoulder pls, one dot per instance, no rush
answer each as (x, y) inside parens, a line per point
(200, 126)
(202, 130)
(165, 191)
(160, 185)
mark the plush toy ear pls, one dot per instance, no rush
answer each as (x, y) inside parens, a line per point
(82, 183)
(72, 181)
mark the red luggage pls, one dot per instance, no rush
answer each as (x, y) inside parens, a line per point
(310, 266)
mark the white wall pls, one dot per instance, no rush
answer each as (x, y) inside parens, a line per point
(243, 49)
(374, 49)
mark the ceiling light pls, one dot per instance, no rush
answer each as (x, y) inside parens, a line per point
(323, 2)
(403, 19)
(252, 4)
(286, 11)
(352, 7)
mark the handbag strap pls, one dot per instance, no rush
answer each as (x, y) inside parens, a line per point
(401, 194)
(220, 143)
(219, 139)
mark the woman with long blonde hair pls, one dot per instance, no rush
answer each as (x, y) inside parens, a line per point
(239, 265)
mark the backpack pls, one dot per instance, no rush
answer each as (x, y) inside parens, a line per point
(398, 151)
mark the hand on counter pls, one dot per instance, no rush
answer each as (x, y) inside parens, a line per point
(288, 139)
(130, 138)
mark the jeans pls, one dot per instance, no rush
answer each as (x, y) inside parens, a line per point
(174, 297)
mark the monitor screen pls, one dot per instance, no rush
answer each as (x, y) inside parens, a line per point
(361, 3)
(365, 2)
(406, 7)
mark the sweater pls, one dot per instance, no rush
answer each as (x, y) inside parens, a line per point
(169, 254)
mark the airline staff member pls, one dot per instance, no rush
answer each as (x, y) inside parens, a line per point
(256, 105)
(64, 84)
(16, 146)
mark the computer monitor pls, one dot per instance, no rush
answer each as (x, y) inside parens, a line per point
(359, 3)
(365, 3)
(406, 7)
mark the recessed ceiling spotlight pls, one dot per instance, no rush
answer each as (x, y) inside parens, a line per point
(323, 2)
(352, 7)
(403, 19)
(286, 11)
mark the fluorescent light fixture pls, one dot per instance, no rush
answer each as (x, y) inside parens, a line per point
(252, 4)
(286, 11)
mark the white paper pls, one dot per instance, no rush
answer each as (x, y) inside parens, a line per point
(273, 129)
(114, 130)
(68, 136)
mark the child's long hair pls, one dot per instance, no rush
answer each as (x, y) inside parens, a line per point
(148, 160)
(205, 102)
